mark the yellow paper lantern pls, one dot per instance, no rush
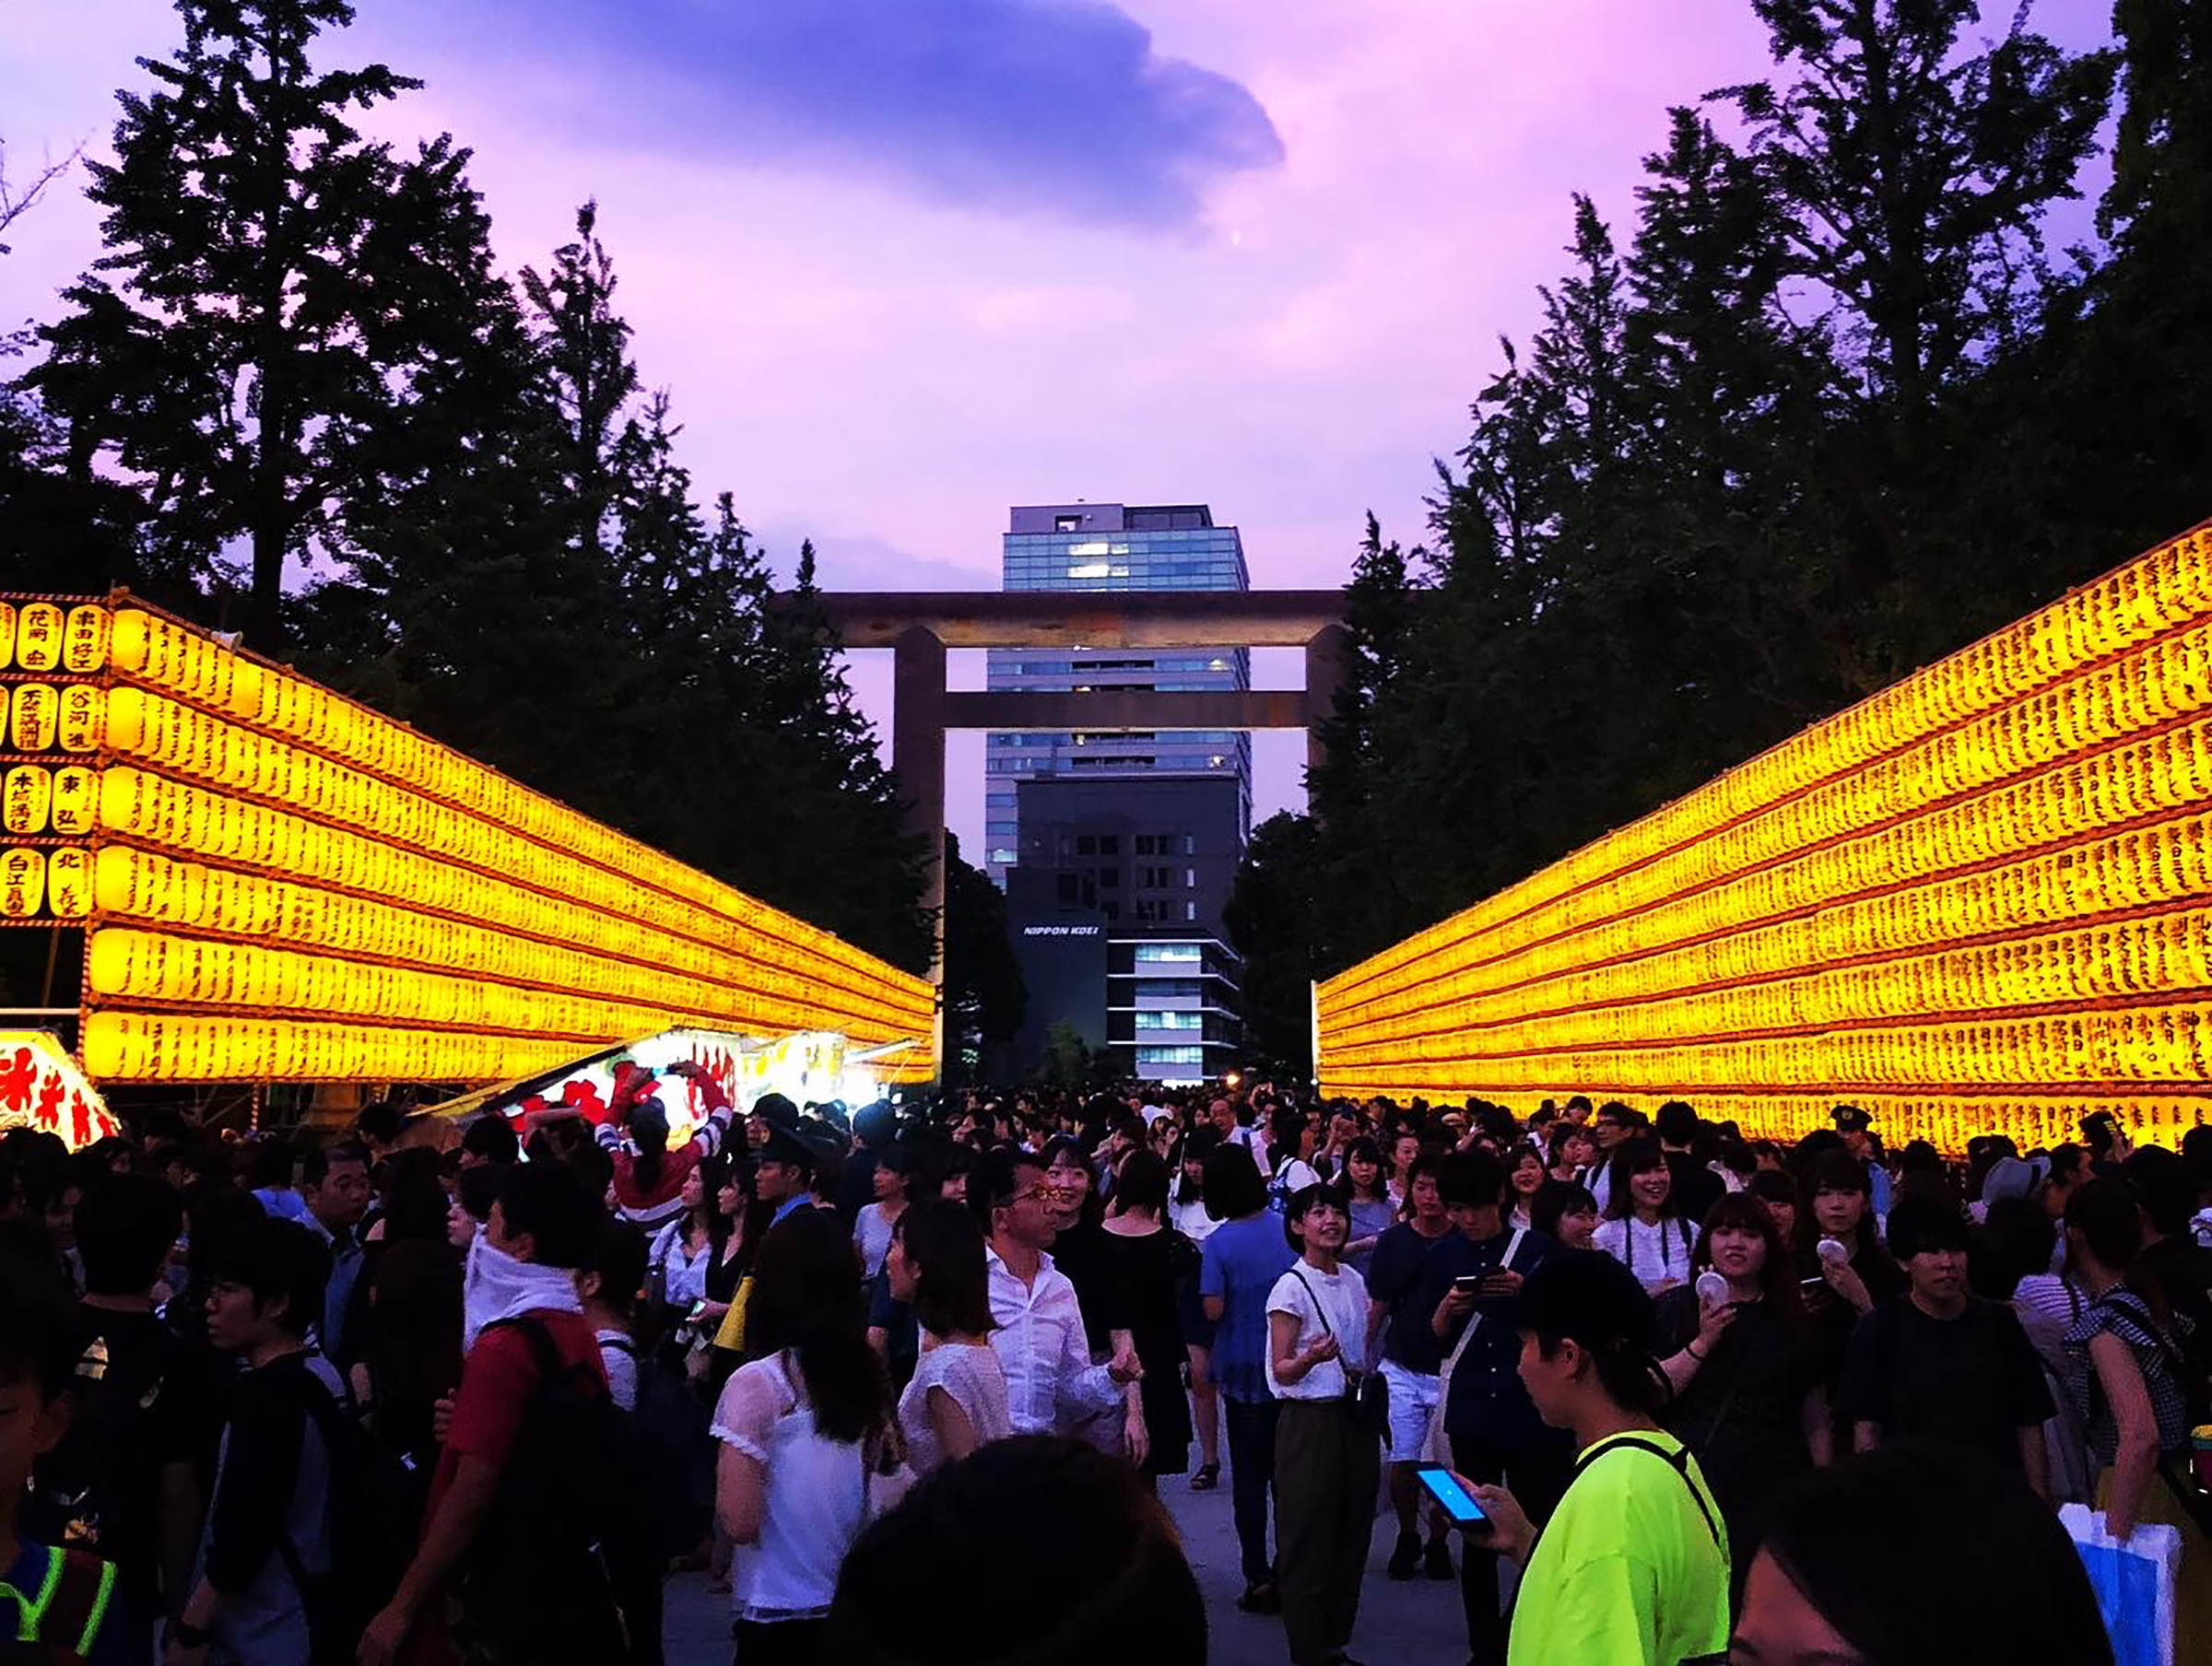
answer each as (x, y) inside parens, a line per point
(26, 797)
(39, 637)
(22, 883)
(37, 710)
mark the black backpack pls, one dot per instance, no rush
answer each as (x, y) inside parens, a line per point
(77, 1488)
(375, 1513)
(540, 1581)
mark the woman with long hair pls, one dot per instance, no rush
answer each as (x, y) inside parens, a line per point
(1148, 1260)
(956, 1401)
(1835, 1211)
(1365, 1190)
(681, 1254)
(1572, 1150)
(409, 1354)
(1743, 1371)
(1565, 1209)
(1187, 1213)
(2130, 1387)
(1634, 1564)
(1525, 1176)
(803, 1428)
(1644, 1230)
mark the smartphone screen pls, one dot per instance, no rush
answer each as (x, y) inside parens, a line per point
(1467, 1282)
(1447, 1491)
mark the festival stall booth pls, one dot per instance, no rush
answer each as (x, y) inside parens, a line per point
(1979, 902)
(817, 1068)
(278, 884)
(42, 1088)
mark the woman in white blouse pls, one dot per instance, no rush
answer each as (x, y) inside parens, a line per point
(803, 1431)
(1642, 1229)
(957, 1398)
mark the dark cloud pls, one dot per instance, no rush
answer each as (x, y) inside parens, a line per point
(1058, 107)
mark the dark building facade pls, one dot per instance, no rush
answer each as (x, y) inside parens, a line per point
(1116, 909)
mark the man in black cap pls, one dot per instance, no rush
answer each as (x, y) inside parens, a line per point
(784, 1173)
(1856, 1127)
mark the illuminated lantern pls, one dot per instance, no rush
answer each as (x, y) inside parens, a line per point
(7, 636)
(70, 884)
(26, 796)
(22, 883)
(39, 637)
(85, 639)
(37, 710)
(76, 798)
(82, 709)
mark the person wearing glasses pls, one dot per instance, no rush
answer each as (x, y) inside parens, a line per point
(1038, 1338)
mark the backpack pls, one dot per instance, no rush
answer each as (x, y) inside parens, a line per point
(539, 1582)
(374, 1511)
(661, 1433)
(106, 1454)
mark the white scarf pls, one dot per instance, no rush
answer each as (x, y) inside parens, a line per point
(498, 1286)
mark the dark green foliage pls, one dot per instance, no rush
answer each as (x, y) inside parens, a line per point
(986, 995)
(1836, 412)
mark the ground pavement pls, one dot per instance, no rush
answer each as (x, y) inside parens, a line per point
(1417, 1624)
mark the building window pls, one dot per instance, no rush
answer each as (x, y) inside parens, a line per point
(1169, 1020)
(1170, 1055)
(1189, 912)
(1153, 952)
(1144, 844)
(1110, 844)
(1112, 910)
(1067, 887)
(1068, 523)
(1086, 844)
(1189, 879)
(1110, 879)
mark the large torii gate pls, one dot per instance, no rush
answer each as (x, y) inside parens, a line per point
(918, 626)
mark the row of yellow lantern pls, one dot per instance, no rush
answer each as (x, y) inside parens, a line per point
(171, 813)
(2066, 799)
(2157, 955)
(2069, 804)
(36, 717)
(167, 656)
(180, 1047)
(173, 737)
(2161, 1043)
(2143, 868)
(35, 798)
(36, 883)
(2129, 607)
(140, 885)
(42, 636)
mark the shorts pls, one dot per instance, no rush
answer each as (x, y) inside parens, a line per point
(1413, 1398)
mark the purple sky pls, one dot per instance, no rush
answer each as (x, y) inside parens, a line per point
(902, 264)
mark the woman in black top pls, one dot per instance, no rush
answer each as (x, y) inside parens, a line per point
(1148, 1260)
(1746, 1394)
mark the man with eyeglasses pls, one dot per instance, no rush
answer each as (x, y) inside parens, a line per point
(1613, 1123)
(1050, 1383)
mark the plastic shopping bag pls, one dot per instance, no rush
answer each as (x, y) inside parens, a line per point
(2134, 1582)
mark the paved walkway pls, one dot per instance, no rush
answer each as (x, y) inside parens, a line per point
(1411, 1625)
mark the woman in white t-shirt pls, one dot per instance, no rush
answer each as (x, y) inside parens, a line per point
(1642, 1230)
(872, 1228)
(802, 1428)
(957, 1398)
(1326, 1467)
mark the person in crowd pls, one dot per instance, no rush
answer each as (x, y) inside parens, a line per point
(489, 1142)
(1572, 1150)
(1743, 1371)
(524, 1330)
(648, 1176)
(1696, 1187)
(2171, 1259)
(2017, 1235)
(1037, 1320)
(1290, 1135)
(269, 1169)
(1234, 1130)
(1835, 1214)
(334, 1183)
(57, 1602)
(804, 1428)
(1525, 1177)
(1778, 1194)
(1643, 1229)
(1327, 1461)
(1405, 1148)
(1120, 1582)
(1146, 1260)
(1610, 1126)
(875, 1131)
(681, 1251)
(888, 1175)
(1241, 1261)
(1187, 1214)
(609, 1284)
(1857, 1129)
(269, 1521)
(408, 1355)
(1566, 1213)
(1080, 1253)
(2131, 1383)
(1845, 1573)
(1366, 1200)
(1411, 1357)
(123, 1483)
(956, 1401)
(1491, 1427)
(783, 1172)
(1939, 1364)
(1632, 1567)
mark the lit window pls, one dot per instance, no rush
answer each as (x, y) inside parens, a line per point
(1089, 570)
(1096, 547)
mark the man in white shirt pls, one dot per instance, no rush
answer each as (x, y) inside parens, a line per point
(1039, 1339)
(1223, 1115)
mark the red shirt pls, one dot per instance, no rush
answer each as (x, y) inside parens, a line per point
(497, 1380)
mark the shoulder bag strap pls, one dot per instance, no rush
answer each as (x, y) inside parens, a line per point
(1678, 1462)
(1513, 1248)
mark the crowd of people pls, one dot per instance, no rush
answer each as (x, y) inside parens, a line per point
(907, 1384)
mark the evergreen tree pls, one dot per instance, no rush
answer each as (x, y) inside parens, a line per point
(1272, 919)
(274, 284)
(986, 995)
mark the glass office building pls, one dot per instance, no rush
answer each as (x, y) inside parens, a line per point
(1110, 546)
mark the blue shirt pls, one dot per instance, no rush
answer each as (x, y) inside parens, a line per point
(1240, 1262)
(1486, 1398)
